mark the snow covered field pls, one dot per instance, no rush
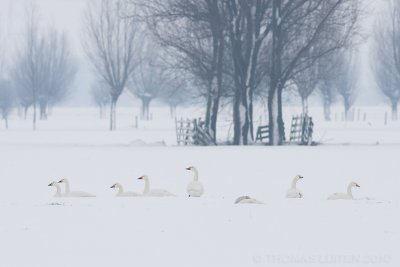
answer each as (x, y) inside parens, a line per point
(39, 230)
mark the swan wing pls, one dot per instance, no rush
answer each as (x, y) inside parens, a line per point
(129, 194)
(195, 189)
(247, 200)
(79, 194)
(336, 196)
(294, 193)
(159, 193)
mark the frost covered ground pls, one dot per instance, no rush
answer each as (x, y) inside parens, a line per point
(39, 230)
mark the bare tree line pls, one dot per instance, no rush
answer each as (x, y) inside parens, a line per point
(239, 48)
(386, 54)
(41, 71)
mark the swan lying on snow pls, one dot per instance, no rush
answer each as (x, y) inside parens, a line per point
(57, 186)
(247, 200)
(194, 188)
(347, 195)
(69, 193)
(293, 192)
(154, 192)
(121, 192)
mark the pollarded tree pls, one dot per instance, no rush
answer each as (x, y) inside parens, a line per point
(101, 96)
(297, 26)
(149, 78)
(386, 54)
(28, 74)
(6, 100)
(346, 79)
(59, 68)
(110, 45)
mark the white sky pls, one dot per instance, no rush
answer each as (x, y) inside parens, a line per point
(68, 15)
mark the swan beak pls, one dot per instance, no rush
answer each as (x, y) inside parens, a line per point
(113, 186)
(358, 185)
(60, 181)
(188, 168)
(301, 177)
(140, 178)
(50, 184)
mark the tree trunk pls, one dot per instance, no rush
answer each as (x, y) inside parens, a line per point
(26, 112)
(145, 111)
(304, 104)
(394, 110)
(237, 120)
(172, 111)
(34, 116)
(113, 115)
(275, 82)
(327, 109)
(43, 111)
(346, 108)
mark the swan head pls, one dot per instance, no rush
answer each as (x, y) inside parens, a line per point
(354, 184)
(116, 185)
(143, 177)
(63, 180)
(298, 177)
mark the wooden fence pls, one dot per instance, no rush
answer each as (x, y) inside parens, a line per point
(192, 132)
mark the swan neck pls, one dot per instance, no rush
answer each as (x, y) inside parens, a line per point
(58, 192)
(120, 189)
(146, 185)
(294, 182)
(196, 174)
(349, 190)
(67, 189)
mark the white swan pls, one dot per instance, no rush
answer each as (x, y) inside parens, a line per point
(57, 186)
(293, 192)
(194, 188)
(347, 195)
(153, 192)
(121, 192)
(247, 200)
(69, 193)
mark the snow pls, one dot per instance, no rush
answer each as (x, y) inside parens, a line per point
(39, 230)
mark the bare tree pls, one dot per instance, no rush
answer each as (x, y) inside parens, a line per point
(194, 31)
(306, 82)
(59, 70)
(43, 69)
(110, 45)
(386, 54)
(6, 100)
(297, 26)
(249, 24)
(149, 78)
(101, 96)
(28, 74)
(346, 78)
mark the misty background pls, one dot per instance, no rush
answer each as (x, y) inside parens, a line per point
(67, 15)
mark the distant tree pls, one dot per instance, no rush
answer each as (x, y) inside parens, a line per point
(110, 45)
(386, 54)
(346, 79)
(43, 70)
(149, 78)
(6, 100)
(297, 27)
(101, 96)
(28, 74)
(60, 71)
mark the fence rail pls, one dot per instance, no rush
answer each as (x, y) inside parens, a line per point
(192, 132)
